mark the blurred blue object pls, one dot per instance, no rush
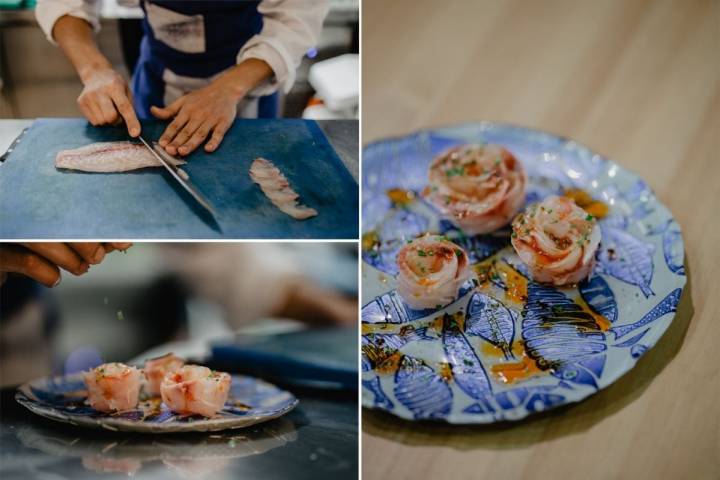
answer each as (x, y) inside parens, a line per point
(325, 358)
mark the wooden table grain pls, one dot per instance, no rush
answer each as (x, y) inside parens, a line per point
(638, 81)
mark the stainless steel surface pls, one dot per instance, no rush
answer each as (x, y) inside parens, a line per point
(9, 131)
(319, 439)
(185, 182)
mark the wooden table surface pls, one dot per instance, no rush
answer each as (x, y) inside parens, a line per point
(638, 81)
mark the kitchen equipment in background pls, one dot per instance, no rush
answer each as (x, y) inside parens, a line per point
(325, 358)
(337, 83)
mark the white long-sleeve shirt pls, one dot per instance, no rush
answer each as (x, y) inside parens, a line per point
(290, 28)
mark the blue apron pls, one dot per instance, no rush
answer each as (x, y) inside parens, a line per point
(228, 25)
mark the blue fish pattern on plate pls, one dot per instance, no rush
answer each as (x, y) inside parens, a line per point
(422, 390)
(381, 400)
(447, 374)
(467, 370)
(627, 258)
(492, 321)
(597, 294)
(557, 330)
(666, 305)
(250, 401)
(673, 248)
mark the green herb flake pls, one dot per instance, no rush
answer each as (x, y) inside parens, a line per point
(589, 217)
(458, 253)
(422, 253)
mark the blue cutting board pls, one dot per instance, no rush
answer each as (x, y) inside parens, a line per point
(39, 201)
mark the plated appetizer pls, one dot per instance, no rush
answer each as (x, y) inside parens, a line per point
(431, 271)
(195, 390)
(113, 387)
(156, 369)
(478, 187)
(185, 389)
(557, 240)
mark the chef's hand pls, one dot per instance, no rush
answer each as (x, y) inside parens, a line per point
(43, 261)
(106, 100)
(209, 111)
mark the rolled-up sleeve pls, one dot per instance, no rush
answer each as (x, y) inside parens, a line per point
(48, 12)
(290, 29)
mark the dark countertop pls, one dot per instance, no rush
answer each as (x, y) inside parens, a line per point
(319, 439)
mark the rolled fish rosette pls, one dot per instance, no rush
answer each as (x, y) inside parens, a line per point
(431, 271)
(113, 387)
(479, 187)
(557, 240)
(193, 389)
(156, 369)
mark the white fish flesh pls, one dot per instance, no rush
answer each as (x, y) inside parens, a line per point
(480, 188)
(113, 387)
(557, 240)
(276, 187)
(195, 390)
(431, 272)
(156, 369)
(109, 157)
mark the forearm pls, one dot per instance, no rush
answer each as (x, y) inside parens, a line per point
(75, 38)
(242, 78)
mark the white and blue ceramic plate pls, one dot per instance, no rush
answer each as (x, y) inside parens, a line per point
(62, 398)
(458, 363)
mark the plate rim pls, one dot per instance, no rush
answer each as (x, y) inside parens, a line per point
(460, 418)
(123, 425)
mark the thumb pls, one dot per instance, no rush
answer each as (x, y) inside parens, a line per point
(167, 112)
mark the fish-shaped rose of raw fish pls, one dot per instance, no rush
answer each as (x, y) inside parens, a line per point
(156, 369)
(557, 240)
(195, 390)
(113, 387)
(109, 157)
(432, 270)
(480, 188)
(276, 187)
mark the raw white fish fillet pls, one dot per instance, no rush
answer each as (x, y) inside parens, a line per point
(113, 387)
(193, 389)
(108, 157)
(156, 369)
(277, 188)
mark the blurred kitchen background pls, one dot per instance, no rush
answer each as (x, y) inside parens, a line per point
(180, 297)
(37, 81)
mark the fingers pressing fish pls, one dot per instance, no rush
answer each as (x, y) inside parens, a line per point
(109, 157)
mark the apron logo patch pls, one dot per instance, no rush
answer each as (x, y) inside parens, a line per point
(185, 33)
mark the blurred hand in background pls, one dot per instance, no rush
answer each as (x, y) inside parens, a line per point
(42, 261)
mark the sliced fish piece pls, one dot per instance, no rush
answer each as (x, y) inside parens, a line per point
(109, 157)
(276, 187)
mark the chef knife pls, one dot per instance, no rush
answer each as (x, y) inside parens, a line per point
(181, 177)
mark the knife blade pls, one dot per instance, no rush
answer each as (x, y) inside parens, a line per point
(181, 176)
